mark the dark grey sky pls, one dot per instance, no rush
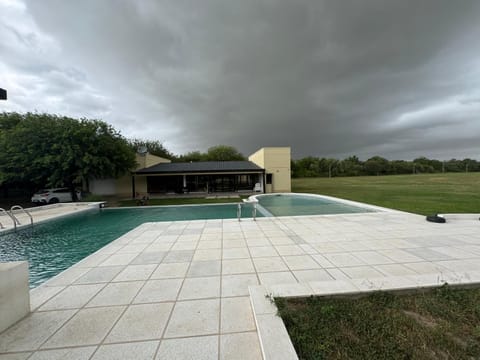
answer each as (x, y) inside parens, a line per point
(399, 79)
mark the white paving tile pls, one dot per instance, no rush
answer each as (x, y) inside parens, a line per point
(159, 291)
(119, 259)
(301, 262)
(127, 351)
(41, 294)
(237, 266)
(141, 322)
(343, 259)
(235, 253)
(135, 272)
(31, 332)
(195, 317)
(240, 346)
(80, 353)
(400, 255)
(285, 250)
(312, 275)
(207, 254)
(200, 288)
(262, 251)
(237, 285)
(394, 270)
(87, 327)
(190, 348)
(100, 275)
(15, 356)
(209, 244)
(204, 268)
(121, 293)
(171, 270)
(66, 277)
(270, 264)
(278, 277)
(72, 297)
(362, 272)
(237, 315)
(372, 257)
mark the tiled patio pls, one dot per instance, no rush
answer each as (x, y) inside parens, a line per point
(180, 290)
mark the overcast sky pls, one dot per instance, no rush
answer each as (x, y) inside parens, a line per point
(397, 78)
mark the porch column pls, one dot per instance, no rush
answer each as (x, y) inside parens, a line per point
(184, 181)
(133, 187)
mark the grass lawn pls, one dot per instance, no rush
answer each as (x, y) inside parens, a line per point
(422, 194)
(439, 324)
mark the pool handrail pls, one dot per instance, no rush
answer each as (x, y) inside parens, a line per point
(254, 208)
(11, 217)
(18, 207)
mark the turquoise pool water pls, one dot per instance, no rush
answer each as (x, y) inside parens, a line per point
(297, 204)
(54, 246)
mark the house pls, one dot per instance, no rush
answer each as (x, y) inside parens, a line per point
(267, 170)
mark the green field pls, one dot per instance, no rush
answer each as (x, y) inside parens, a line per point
(422, 194)
(439, 324)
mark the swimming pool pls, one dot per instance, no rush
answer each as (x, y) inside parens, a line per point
(306, 204)
(53, 246)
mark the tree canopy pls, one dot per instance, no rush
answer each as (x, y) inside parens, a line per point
(352, 166)
(40, 150)
(215, 153)
(154, 147)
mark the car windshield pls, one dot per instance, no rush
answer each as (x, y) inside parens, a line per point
(41, 191)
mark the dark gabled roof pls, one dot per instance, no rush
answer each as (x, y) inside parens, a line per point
(201, 167)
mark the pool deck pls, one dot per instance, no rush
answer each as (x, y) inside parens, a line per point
(44, 213)
(185, 289)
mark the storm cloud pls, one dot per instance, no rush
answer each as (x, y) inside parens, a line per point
(399, 79)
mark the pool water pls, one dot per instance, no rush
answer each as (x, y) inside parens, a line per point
(297, 204)
(54, 246)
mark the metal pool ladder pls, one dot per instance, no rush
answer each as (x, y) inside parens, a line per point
(254, 208)
(3, 211)
(15, 220)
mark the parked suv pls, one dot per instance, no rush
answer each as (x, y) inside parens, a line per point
(52, 196)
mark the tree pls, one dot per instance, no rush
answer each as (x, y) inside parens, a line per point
(192, 156)
(38, 150)
(223, 153)
(351, 166)
(376, 166)
(154, 147)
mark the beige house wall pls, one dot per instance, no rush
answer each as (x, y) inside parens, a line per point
(275, 161)
(123, 185)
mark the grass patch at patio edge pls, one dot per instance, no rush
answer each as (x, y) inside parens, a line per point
(442, 323)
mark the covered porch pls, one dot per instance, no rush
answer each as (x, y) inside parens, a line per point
(199, 178)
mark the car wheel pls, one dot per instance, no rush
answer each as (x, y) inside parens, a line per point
(53, 201)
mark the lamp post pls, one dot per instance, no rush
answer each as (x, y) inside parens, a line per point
(3, 94)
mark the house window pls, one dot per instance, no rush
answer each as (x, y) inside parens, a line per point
(269, 179)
